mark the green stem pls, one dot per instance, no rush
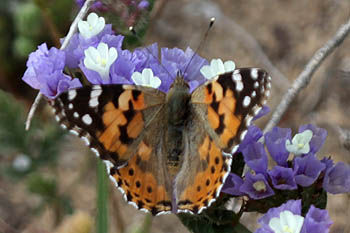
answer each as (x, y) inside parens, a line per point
(102, 198)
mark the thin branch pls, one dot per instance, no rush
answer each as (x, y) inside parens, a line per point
(305, 76)
(73, 28)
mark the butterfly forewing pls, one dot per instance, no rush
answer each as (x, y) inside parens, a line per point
(109, 118)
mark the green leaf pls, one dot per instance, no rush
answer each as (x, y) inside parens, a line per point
(102, 198)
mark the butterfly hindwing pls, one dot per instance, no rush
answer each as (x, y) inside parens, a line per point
(223, 110)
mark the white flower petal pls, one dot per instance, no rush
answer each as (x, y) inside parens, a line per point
(92, 18)
(229, 66)
(147, 75)
(112, 55)
(137, 78)
(275, 225)
(92, 26)
(206, 72)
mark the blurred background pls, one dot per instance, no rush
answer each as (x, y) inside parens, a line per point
(48, 178)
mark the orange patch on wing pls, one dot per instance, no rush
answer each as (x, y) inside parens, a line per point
(213, 118)
(208, 98)
(109, 135)
(227, 105)
(123, 101)
(219, 92)
(144, 151)
(135, 126)
(203, 149)
(139, 104)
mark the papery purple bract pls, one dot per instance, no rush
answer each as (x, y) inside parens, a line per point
(283, 178)
(307, 169)
(276, 144)
(254, 133)
(337, 179)
(45, 72)
(255, 157)
(176, 60)
(232, 185)
(316, 221)
(256, 180)
(265, 110)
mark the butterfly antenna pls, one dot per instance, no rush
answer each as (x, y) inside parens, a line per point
(212, 20)
(132, 30)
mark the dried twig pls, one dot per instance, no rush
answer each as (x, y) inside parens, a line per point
(73, 28)
(305, 76)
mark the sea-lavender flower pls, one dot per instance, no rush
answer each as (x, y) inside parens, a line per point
(256, 186)
(337, 178)
(45, 72)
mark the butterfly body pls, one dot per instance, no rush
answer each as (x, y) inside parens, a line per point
(167, 152)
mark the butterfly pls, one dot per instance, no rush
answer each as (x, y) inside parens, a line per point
(166, 152)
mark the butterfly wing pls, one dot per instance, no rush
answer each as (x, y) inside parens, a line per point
(111, 118)
(223, 109)
(116, 122)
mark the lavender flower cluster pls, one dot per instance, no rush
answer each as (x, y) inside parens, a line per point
(296, 169)
(97, 53)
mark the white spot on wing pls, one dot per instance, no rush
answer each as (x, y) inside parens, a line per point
(86, 140)
(267, 93)
(74, 132)
(254, 73)
(87, 119)
(95, 93)
(72, 94)
(239, 85)
(243, 135)
(234, 149)
(95, 151)
(253, 93)
(70, 106)
(57, 118)
(76, 115)
(249, 120)
(256, 85)
(237, 77)
(93, 102)
(246, 101)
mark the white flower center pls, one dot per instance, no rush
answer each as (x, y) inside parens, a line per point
(287, 223)
(259, 186)
(216, 68)
(100, 59)
(300, 143)
(146, 78)
(92, 26)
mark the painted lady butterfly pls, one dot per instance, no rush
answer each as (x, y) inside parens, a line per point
(167, 152)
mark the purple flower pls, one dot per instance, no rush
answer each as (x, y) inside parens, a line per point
(283, 178)
(307, 169)
(45, 72)
(293, 206)
(143, 5)
(337, 179)
(265, 110)
(276, 144)
(253, 135)
(232, 185)
(316, 221)
(256, 186)
(255, 157)
(95, 6)
(78, 44)
(176, 60)
(318, 137)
